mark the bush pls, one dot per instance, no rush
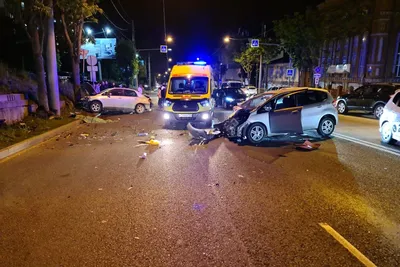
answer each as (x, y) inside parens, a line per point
(3, 70)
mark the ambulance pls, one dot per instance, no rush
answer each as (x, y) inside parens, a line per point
(188, 95)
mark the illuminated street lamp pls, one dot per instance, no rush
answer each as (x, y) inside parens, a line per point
(89, 31)
(159, 75)
(170, 60)
(169, 49)
(227, 39)
(166, 73)
(169, 69)
(108, 30)
(169, 39)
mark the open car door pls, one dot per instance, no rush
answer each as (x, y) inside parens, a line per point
(285, 117)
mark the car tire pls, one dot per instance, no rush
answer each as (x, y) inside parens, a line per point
(378, 110)
(256, 133)
(387, 134)
(326, 126)
(96, 106)
(342, 107)
(140, 108)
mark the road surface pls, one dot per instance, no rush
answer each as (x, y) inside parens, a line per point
(91, 201)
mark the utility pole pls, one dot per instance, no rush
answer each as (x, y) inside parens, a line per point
(261, 64)
(135, 77)
(51, 58)
(149, 69)
(165, 31)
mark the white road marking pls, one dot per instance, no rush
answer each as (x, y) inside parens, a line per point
(368, 144)
(356, 253)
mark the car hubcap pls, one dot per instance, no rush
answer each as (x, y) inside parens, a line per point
(140, 109)
(96, 107)
(341, 107)
(379, 111)
(257, 133)
(386, 131)
(327, 127)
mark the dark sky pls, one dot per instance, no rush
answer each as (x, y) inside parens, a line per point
(197, 26)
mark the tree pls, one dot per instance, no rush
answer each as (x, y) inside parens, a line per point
(126, 60)
(32, 15)
(73, 14)
(301, 37)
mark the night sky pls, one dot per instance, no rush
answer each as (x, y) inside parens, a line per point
(197, 26)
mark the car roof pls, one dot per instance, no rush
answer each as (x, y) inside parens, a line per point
(296, 89)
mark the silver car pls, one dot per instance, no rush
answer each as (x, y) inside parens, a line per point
(289, 110)
(389, 121)
(119, 99)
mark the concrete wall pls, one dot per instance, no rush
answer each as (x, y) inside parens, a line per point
(13, 108)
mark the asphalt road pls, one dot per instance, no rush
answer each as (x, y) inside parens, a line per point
(77, 201)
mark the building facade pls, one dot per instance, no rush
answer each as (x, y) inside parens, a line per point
(371, 57)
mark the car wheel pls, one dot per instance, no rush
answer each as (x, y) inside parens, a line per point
(386, 134)
(326, 126)
(342, 108)
(256, 133)
(96, 106)
(378, 110)
(140, 108)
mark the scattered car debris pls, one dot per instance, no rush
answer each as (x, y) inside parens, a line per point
(307, 146)
(84, 135)
(240, 176)
(114, 134)
(142, 134)
(130, 188)
(144, 156)
(89, 119)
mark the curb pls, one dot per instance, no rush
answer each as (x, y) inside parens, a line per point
(36, 140)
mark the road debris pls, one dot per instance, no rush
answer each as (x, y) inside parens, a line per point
(100, 189)
(142, 134)
(84, 135)
(137, 238)
(240, 176)
(103, 221)
(130, 188)
(89, 119)
(307, 146)
(144, 156)
(114, 134)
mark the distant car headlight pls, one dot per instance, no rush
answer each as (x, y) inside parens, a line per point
(205, 116)
(205, 103)
(229, 99)
(167, 103)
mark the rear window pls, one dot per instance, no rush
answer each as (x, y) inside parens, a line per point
(311, 97)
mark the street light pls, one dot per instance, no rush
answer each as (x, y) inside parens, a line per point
(89, 31)
(169, 49)
(169, 39)
(227, 39)
(166, 73)
(169, 69)
(170, 60)
(159, 75)
(108, 30)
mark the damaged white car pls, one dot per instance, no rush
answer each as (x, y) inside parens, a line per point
(389, 121)
(288, 111)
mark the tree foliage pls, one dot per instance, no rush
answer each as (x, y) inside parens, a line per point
(126, 60)
(301, 37)
(73, 14)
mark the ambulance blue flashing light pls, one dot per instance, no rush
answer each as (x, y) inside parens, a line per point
(202, 63)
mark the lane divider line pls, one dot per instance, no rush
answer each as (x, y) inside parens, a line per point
(368, 144)
(356, 253)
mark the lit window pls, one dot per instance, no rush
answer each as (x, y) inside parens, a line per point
(397, 59)
(22, 5)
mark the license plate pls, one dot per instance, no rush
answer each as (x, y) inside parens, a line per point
(185, 115)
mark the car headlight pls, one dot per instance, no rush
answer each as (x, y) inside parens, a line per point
(205, 103)
(229, 99)
(205, 116)
(166, 116)
(167, 103)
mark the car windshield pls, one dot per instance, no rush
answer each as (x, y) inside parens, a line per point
(235, 85)
(189, 85)
(236, 91)
(254, 102)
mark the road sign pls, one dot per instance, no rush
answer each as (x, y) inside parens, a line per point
(255, 43)
(163, 49)
(316, 81)
(317, 69)
(317, 75)
(92, 68)
(290, 72)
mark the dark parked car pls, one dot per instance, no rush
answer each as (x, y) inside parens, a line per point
(229, 97)
(368, 98)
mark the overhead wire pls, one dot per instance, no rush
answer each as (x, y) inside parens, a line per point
(119, 28)
(122, 17)
(123, 10)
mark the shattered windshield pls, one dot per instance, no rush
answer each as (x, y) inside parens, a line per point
(189, 85)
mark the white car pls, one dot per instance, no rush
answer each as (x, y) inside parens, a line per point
(291, 110)
(389, 121)
(250, 90)
(120, 99)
